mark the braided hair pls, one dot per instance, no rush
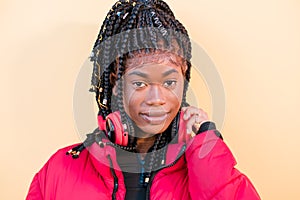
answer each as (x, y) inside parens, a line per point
(134, 27)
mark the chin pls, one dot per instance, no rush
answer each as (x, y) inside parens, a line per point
(153, 129)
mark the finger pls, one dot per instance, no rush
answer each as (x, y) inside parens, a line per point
(197, 126)
(191, 110)
(188, 111)
(190, 123)
(183, 108)
(194, 123)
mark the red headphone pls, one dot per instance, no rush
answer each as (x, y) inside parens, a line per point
(116, 134)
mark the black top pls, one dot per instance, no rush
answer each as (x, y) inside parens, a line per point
(134, 171)
(134, 190)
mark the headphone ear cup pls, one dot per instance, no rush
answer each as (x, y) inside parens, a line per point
(115, 130)
(110, 130)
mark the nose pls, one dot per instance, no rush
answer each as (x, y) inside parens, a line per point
(155, 95)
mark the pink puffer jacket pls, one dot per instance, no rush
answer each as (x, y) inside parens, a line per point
(201, 169)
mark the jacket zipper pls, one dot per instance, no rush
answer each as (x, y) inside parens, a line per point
(182, 150)
(115, 178)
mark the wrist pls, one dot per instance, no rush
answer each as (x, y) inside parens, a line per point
(208, 125)
(205, 126)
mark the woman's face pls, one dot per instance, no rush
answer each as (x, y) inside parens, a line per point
(153, 94)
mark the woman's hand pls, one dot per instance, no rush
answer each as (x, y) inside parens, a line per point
(194, 117)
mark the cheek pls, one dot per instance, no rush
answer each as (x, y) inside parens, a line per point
(127, 97)
(131, 100)
(175, 96)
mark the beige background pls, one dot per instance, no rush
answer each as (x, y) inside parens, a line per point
(255, 46)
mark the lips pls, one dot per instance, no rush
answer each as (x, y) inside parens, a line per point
(154, 117)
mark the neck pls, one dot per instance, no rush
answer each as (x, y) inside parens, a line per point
(144, 140)
(145, 143)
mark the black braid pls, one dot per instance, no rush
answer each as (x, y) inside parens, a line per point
(167, 19)
(124, 118)
(120, 104)
(95, 53)
(165, 7)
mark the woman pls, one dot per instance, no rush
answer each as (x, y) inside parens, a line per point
(150, 144)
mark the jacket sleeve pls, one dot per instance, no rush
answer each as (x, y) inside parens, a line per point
(37, 185)
(35, 192)
(211, 170)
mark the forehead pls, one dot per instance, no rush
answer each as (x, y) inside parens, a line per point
(153, 70)
(154, 59)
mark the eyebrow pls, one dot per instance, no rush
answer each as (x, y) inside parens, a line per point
(169, 72)
(138, 73)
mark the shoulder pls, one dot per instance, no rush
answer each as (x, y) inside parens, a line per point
(60, 161)
(62, 153)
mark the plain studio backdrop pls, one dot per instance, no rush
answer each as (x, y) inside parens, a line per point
(255, 46)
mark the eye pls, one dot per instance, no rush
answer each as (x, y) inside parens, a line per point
(139, 84)
(170, 83)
